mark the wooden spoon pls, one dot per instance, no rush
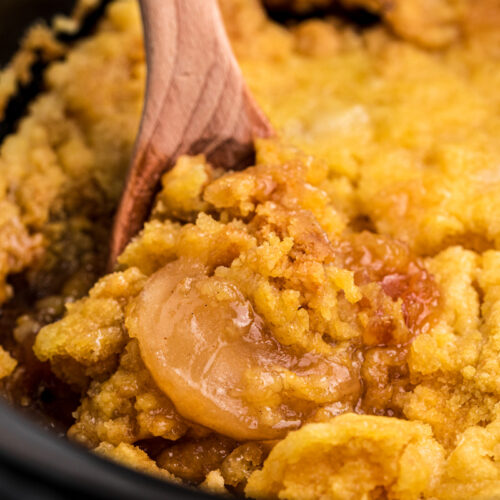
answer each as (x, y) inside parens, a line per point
(196, 102)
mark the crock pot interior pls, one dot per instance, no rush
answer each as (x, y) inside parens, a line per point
(17, 15)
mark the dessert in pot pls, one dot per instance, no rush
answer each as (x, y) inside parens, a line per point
(321, 324)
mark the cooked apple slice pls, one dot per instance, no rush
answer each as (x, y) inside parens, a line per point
(204, 344)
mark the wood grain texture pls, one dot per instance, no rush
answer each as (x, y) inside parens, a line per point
(196, 102)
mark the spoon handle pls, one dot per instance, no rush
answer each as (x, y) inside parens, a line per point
(196, 102)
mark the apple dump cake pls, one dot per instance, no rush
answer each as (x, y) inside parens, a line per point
(323, 324)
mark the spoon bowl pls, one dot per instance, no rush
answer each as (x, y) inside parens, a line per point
(196, 102)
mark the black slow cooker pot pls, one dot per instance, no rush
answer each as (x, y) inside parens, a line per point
(34, 462)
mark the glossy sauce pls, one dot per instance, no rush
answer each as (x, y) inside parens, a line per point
(386, 343)
(380, 259)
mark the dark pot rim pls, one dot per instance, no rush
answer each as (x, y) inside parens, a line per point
(35, 463)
